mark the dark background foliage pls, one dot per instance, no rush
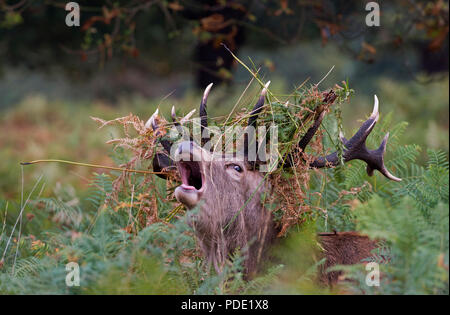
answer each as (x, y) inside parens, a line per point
(127, 43)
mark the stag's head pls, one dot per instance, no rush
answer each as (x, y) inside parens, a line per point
(228, 187)
(206, 177)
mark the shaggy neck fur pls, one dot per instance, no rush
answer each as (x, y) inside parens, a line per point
(224, 225)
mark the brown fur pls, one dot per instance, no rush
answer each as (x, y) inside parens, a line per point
(343, 248)
(251, 228)
(232, 217)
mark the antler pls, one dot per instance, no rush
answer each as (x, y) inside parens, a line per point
(204, 115)
(151, 122)
(355, 148)
(319, 114)
(258, 106)
(161, 160)
(253, 118)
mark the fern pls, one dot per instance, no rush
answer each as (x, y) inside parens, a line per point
(102, 187)
(427, 186)
(418, 248)
(27, 267)
(437, 158)
(119, 254)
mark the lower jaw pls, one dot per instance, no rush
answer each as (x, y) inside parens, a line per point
(188, 197)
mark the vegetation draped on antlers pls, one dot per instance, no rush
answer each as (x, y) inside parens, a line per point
(354, 148)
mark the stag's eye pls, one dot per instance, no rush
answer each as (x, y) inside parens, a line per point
(235, 171)
(237, 168)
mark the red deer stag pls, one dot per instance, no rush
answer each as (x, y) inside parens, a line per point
(228, 190)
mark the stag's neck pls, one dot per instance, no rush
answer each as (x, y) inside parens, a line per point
(249, 231)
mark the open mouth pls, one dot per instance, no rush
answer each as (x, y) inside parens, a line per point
(191, 175)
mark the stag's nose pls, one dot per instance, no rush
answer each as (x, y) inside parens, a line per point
(188, 151)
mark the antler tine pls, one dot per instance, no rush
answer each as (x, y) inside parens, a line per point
(253, 117)
(367, 127)
(329, 99)
(355, 148)
(258, 106)
(380, 154)
(160, 160)
(151, 122)
(175, 121)
(204, 114)
(174, 116)
(319, 114)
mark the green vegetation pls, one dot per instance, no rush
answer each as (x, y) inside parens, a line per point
(126, 246)
(126, 231)
(414, 224)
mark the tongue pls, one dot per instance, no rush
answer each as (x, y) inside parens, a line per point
(187, 187)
